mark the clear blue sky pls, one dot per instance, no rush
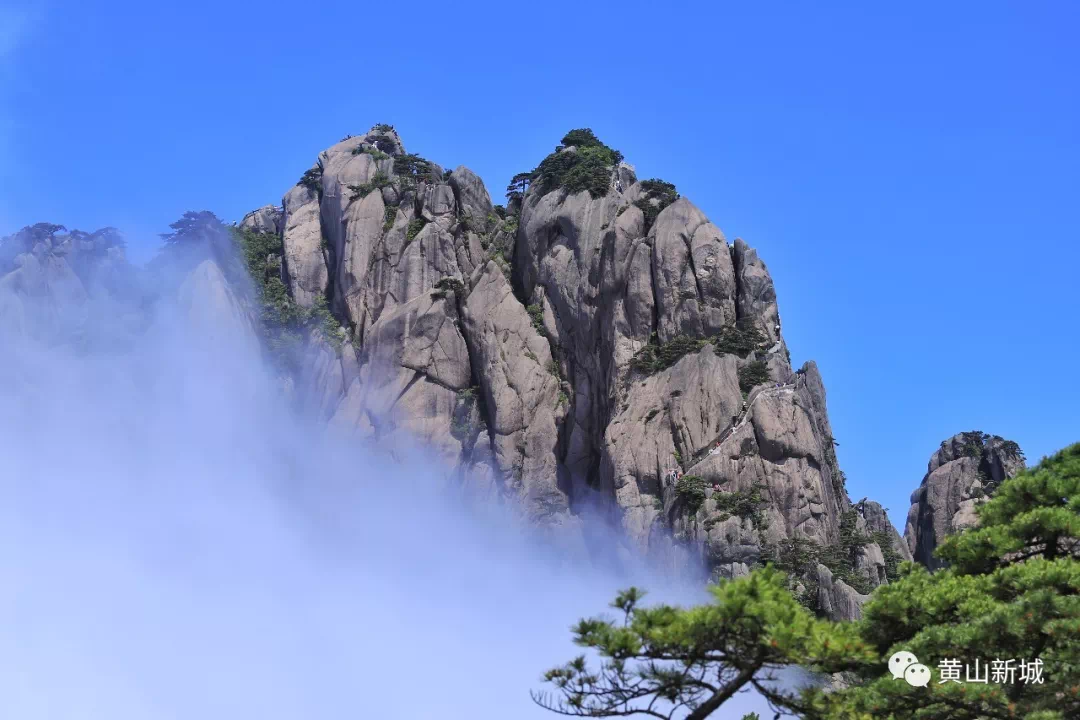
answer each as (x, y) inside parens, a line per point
(910, 175)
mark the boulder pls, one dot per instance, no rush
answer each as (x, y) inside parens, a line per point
(961, 475)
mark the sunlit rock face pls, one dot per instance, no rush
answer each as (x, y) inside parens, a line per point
(512, 341)
(962, 474)
(604, 349)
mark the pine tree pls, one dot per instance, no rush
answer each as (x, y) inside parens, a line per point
(1011, 592)
(670, 662)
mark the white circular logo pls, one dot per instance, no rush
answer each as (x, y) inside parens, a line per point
(899, 662)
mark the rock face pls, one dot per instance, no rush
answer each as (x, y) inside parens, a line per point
(52, 281)
(266, 219)
(596, 343)
(578, 346)
(961, 475)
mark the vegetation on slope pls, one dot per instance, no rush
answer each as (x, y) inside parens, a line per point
(1010, 598)
(740, 339)
(581, 162)
(656, 195)
(283, 321)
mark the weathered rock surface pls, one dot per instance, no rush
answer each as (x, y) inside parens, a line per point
(521, 391)
(836, 598)
(267, 219)
(960, 476)
(304, 263)
(537, 348)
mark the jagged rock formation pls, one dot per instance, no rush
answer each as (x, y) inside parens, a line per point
(961, 474)
(575, 347)
(596, 343)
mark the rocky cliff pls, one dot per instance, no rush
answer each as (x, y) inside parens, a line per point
(961, 475)
(598, 342)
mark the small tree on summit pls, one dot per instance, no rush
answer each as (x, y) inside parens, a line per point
(200, 225)
(518, 185)
(582, 138)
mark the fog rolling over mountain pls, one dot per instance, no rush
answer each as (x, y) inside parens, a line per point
(176, 542)
(596, 353)
(390, 432)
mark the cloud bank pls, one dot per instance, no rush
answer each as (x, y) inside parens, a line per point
(176, 544)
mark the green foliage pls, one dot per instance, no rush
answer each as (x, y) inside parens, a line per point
(850, 537)
(325, 321)
(510, 227)
(382, 128)
(591, 172)
(415, 167)
(389, 216)
(377, 182)
(746, 504)
(199, 225)
(536, 316)
(564, 399)
(972, 443)
(581, 138)
(500, 211)
(796, 557)
(888, 551)
(752, 375)
(451, 284)
(799, 557)
(1011, 448)
(654, 358)
(467, 413)
(256, 247)
(588, 167)
(737, 340)
(690, 491)
(415, 226)
(312, 180)
(740, 339)
(515, 191)
(656, 195)
(678, 457)
(1011, 590)
(693, 660)
(283, 322)
(384, 144)
(374, 152)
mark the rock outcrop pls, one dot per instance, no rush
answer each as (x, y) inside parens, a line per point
(598, 342)
(961, 475)
(587, 343)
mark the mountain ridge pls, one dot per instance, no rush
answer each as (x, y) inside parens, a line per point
(596, 343)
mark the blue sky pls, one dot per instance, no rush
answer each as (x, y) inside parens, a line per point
(911, 175)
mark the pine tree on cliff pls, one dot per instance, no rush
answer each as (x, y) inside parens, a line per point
(668, 662)
(1011, 593)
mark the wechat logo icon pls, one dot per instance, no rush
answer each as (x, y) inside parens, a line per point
(905, 666)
